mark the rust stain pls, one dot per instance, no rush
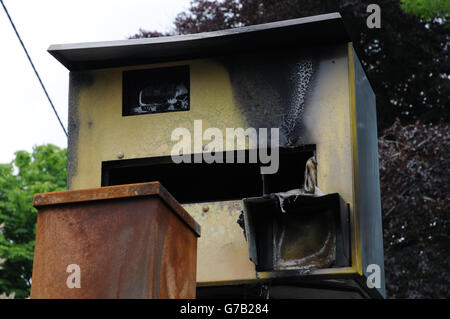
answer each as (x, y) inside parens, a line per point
(129, 247)
(117, 192)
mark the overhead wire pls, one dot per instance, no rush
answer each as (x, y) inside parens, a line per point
(34, 68)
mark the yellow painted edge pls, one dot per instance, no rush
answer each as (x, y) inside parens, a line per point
(336, 273)
(354, 216)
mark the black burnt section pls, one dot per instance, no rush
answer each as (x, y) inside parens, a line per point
(272, 88)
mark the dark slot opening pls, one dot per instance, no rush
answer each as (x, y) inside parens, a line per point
(203, 182)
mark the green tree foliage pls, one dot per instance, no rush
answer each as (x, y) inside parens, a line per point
(44, 170)
(428, 9)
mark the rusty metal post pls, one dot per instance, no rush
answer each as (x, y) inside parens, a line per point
(129, 241)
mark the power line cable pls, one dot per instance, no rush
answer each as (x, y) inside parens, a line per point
(34, 69)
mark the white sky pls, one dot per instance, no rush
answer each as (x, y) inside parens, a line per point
(26, 118)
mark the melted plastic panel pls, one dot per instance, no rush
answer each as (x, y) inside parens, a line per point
(304, 241)
(312, 233)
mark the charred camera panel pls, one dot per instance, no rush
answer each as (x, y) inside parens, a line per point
(300, 233)
(156, 90)
(203, 182)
